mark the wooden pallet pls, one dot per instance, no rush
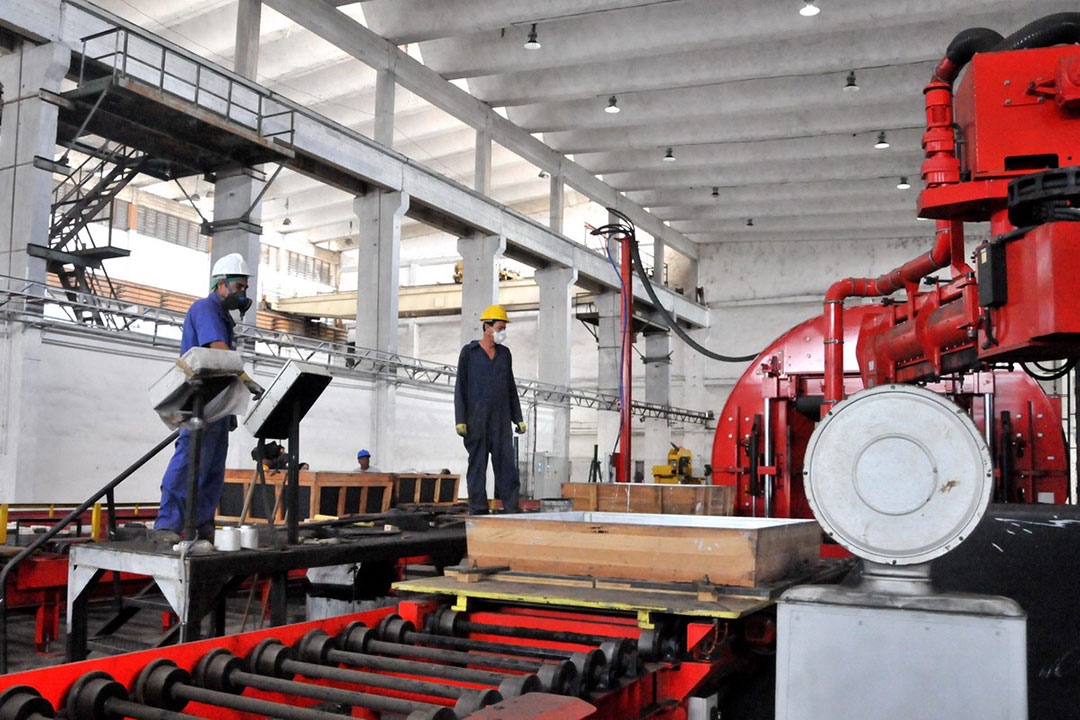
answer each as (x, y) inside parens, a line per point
(425, 489)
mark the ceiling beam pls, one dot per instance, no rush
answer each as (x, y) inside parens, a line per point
(332, 25)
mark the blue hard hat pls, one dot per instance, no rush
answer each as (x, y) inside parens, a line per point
(362, 453)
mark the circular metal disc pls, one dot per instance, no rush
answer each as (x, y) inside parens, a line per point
(898, 474)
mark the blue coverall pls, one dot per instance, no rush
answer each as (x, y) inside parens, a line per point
(486, 400)
(206, 322)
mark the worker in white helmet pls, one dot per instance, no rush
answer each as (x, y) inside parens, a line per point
(486, 407)
(209, 323)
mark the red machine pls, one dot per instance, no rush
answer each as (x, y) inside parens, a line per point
(1003, 150)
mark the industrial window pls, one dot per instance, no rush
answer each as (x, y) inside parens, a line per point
(163, 226)
(307, 267)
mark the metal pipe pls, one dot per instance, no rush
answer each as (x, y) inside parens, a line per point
(767, 441)
(446, 672)
(192, 693)
(444, 655)
(198, 426)
(127, 709)
(517, 631)
(627, 313)
(55, 530)
(988, 421)
(484, 646)
(330, 694)
(386, 682)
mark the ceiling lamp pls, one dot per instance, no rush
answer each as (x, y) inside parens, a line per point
(750, 222)
(851, 85)
(287, 221)
(669, 156)
(881, 143)
(612, 105)
(903, 184)
(532, 43)
(809, 9)
(715, 191)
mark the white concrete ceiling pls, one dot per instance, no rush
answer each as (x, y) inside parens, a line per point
(747, 93)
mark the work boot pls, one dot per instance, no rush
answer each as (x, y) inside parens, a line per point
(169, 537)
(206, 532)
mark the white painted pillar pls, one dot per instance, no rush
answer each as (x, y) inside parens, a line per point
(248, 24)
(480, 280)
(27, 130)
(658, 391)
(658, 260)
(385, 91)
(482, 172)
(236, 226)
(558, 203)
(607, 373)
(553, 326)
(378, 241)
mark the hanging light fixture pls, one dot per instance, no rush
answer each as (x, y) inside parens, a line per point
(715, 191)
(612, 105)
(903, 184)
(851, 85)
(669, 156)
(532, 43)
(287, 221)
(750, 222)
(809, 9)
(881, 143)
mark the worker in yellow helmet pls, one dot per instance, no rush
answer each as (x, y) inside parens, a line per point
(486, 406)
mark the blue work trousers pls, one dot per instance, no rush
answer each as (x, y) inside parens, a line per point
(215, 446)
(494, 440)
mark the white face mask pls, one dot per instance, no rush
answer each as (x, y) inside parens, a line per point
(499, 336)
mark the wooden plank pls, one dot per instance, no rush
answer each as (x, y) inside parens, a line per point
(721, 551)
(651, 498)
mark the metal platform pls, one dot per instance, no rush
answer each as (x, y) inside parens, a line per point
(643, 598)
(196, 584)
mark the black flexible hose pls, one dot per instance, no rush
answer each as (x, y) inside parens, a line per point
(968, 42)
(1056, 375)
(1056, 29)
(627, 229)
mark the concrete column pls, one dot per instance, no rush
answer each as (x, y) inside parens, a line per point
(378, 240)
(482, 173)
(658, 391)
(236, 227)
(480, 282)
(558, 190)
(385, 91)
(248, 23)
(658, 261)
(27, 131)
(553, 324)
(607, 373)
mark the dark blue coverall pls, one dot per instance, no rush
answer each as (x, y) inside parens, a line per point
(486, 400)
(206, 322)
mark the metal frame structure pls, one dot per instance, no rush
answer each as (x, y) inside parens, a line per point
(29, 302)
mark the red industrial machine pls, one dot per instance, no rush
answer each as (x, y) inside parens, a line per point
(1002, 149)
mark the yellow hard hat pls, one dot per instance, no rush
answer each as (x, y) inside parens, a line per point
(494, 312)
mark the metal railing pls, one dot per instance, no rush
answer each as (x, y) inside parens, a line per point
(127, 53)
(105, 492)
(43, 305)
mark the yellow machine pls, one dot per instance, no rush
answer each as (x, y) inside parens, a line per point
(679, 468)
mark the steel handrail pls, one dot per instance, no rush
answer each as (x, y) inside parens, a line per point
(30, 549)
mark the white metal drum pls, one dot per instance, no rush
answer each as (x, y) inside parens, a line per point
(898, 474)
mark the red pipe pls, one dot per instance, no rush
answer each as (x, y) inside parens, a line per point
(627, 317)
(950, 235)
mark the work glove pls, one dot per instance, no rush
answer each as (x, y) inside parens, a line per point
(520, 428)
(462, 429)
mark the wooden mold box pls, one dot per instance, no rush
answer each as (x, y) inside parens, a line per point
(321, 493)
(657, 498)
(736, 551)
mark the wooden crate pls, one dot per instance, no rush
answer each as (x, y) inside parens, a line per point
(425, 489)
(321, 493)
(655, 498)
(661, 548)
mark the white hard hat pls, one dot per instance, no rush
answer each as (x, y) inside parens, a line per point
(229, 265)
